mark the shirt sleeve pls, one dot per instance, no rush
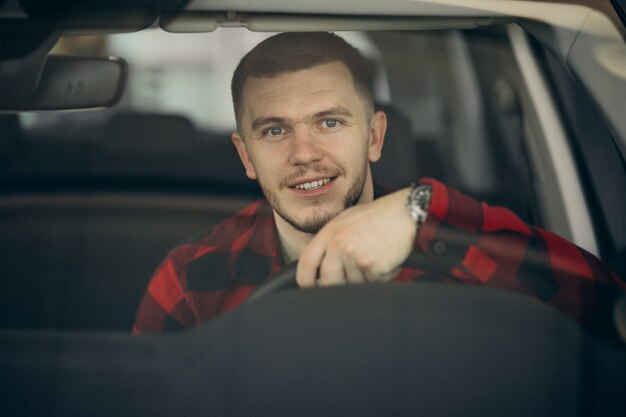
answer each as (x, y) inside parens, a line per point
(476, 243)
(164, 306)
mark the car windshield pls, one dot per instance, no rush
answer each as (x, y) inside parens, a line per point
(516, 118)
(98, 197)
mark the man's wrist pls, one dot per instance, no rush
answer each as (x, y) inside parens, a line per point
(418, 202)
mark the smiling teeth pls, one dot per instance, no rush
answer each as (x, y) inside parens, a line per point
(313, 184)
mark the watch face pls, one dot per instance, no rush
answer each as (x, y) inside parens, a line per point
(418, 203)
(422, 199)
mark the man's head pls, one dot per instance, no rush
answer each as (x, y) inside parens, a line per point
(306, 126)
(291, 52)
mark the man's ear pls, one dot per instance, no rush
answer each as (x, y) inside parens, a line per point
(378, 127)
(243, 155)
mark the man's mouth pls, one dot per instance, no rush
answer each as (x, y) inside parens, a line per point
(313, 185)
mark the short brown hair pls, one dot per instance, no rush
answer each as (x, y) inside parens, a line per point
(295, 51)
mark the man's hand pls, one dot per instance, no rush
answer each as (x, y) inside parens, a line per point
(366, 243)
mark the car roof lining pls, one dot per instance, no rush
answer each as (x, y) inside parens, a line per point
(201, 21)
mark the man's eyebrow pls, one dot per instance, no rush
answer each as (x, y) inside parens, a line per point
(334, 111)
(261, 121)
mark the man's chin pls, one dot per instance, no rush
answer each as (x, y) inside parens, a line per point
(311, 216)
(311, 224)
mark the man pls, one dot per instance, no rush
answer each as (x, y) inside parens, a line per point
(307, 132)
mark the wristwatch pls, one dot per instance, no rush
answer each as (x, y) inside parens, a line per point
(418, 202)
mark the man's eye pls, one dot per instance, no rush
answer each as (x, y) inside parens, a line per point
(274, 131)
(330, 123)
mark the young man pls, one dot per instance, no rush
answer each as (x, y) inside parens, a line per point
(307, 132)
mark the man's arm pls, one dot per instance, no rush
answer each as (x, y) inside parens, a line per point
(475, 243)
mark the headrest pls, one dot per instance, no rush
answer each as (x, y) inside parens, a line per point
(150, 132)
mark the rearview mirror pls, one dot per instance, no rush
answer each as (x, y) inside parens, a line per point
(67, 82)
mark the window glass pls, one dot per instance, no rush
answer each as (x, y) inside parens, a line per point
(106, 193)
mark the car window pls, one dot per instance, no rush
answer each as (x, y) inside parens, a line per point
(98, 197)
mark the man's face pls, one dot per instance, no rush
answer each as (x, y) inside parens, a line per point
(307, 139)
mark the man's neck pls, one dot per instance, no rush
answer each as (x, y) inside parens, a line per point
(292, 241)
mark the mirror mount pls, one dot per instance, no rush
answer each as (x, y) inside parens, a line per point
(21, 65)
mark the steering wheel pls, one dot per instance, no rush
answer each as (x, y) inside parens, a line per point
(283, 280)
(286, 278)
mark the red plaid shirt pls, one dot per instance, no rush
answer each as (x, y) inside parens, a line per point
(216, 272)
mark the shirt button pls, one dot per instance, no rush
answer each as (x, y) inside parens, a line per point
(440, 247)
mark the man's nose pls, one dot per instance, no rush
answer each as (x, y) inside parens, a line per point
(304, 147)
